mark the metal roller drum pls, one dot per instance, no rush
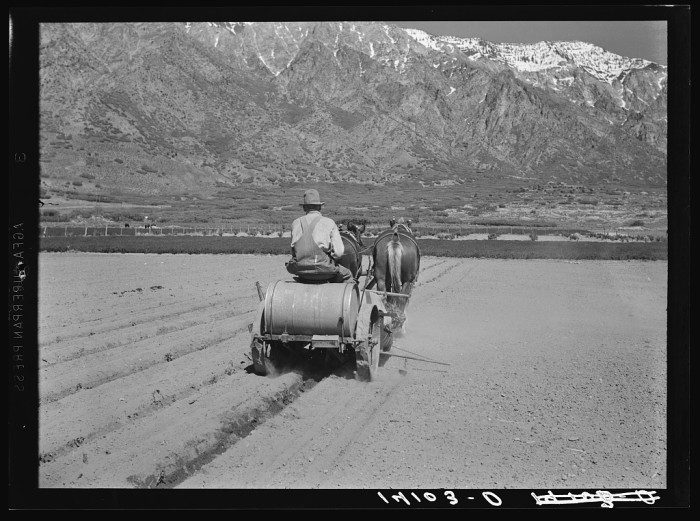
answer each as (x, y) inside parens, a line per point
(311, 309)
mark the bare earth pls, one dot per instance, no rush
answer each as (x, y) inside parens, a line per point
(557, 380)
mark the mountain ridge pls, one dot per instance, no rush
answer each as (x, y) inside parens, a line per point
(187, 106)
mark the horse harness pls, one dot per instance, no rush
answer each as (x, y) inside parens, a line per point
(401, 233)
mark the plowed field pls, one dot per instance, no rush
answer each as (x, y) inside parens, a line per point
(557, 379)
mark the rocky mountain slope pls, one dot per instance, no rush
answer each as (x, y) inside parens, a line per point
(182, 108)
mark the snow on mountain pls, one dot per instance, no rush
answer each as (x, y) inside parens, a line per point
(427, 40)
(536, 57)
(580, 72)
(545, 64)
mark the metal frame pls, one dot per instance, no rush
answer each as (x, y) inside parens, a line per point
(316, 341)
(388, 293)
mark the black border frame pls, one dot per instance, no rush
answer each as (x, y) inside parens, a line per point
(23, 159)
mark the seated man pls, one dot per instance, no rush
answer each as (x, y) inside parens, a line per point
(316, 245)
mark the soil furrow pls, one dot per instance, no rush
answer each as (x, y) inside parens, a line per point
(232, 429)
(171, 437)
(451, 266)
(80, 417)
(114, 339)
(311, 434)
(93, 370)
(142, 318)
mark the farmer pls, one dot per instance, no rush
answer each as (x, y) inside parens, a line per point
(316, 245)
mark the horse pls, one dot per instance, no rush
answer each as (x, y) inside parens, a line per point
(396, 260)
(352, 257)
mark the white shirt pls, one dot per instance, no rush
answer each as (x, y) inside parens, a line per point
(325, 235)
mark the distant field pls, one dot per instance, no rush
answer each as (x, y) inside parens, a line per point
(441, 248)
(475, 201)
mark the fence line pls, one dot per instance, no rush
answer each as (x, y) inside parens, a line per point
(441, 231)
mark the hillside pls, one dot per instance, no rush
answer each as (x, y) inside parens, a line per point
(166, 109)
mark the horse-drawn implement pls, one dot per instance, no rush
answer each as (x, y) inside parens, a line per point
(334, 322)
(339, 323)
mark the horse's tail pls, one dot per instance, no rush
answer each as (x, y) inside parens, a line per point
(394, 252)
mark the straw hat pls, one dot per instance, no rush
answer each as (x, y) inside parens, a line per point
(311, 197)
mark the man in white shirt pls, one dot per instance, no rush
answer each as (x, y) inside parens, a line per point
(316, 245)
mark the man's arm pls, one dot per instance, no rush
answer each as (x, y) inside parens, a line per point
(336, 243)
(296, 234)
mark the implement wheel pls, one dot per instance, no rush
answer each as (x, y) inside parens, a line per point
(368, 331)
(387, 334)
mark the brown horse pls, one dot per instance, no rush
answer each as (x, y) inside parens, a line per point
(352, 240)
(396, 257)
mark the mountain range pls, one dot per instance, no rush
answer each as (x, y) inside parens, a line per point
(189, 107)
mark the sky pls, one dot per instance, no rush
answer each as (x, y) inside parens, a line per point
(633, 39)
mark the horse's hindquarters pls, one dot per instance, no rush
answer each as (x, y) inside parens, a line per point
(399, 248)
(351, 259)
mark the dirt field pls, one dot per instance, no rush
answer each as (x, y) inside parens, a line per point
(557, 380)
